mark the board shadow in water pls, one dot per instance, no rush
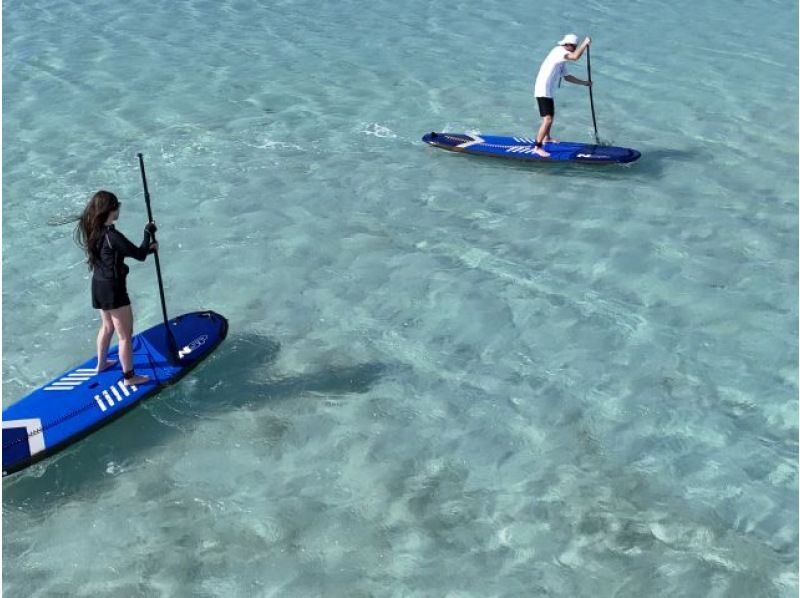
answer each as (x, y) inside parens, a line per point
(652, 164)
(236, 377)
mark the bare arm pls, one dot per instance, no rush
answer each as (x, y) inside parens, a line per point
(575, 55)
(576, 81)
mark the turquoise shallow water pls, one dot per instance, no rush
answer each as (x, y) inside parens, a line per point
(445, 376)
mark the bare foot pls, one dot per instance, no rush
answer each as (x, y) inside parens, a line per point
(136, 380)
(109, 363)
(540, 152)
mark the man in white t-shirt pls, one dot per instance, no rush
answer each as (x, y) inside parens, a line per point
(553, 68)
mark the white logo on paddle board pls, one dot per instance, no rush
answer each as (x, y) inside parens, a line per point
(195, 344)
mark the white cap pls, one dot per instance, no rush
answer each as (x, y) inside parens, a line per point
(569, 38)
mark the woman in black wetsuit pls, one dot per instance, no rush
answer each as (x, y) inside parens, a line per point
(106, 248)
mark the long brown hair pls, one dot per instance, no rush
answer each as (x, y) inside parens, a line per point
(92, 223)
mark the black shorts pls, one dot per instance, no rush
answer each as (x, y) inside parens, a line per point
(546, 106)
(109, 294)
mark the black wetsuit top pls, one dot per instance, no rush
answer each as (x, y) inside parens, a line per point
(109, 290)
(114, 248)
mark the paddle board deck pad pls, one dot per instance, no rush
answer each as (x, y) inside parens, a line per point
(81, 400)
(521, 148)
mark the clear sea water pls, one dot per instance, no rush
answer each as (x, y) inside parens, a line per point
(445, 375)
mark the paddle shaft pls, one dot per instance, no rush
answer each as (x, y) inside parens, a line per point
(591, 96)
(170, 338)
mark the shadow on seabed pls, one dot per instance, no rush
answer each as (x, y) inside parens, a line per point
(228, 381)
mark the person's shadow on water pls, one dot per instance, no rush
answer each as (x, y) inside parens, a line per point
(232, 379)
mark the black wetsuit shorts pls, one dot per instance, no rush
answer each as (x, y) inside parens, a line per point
(109, 294)
(546, 106)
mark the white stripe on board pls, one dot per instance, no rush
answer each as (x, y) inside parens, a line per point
(520, 149)
(108, 398)
(58, 387)
(116, 394)
(124, 388)
(100, 402)
(474, 139)
(34, 428)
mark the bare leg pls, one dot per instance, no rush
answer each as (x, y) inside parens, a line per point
(544, 133)
(103, 340)
(123, 324)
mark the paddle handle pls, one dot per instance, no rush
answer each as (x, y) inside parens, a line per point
(173, 345)
(146, 190)
(591, 95)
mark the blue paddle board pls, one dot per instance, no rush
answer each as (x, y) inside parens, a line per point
(521, 148)
(81, 400)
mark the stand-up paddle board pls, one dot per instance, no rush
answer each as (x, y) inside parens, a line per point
(81, 400)
(521, 148)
